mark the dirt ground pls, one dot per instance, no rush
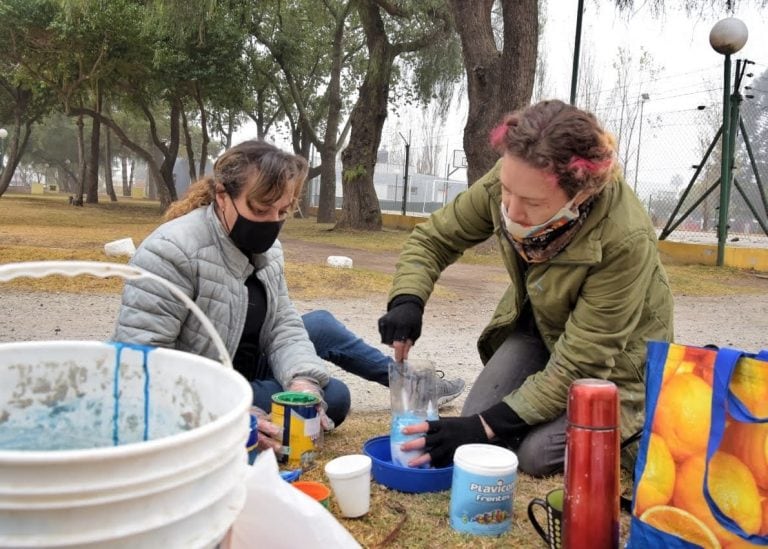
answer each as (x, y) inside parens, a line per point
(452, 322)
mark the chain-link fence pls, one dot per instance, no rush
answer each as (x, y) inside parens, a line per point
(677, 174)
(670, 156)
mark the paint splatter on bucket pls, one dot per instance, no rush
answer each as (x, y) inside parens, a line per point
(112, 442)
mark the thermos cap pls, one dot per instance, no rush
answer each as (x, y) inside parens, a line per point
(593, 403)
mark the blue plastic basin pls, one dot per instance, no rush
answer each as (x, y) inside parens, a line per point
(404, 479)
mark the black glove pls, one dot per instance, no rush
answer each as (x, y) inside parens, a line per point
(403, 319)
(448, 433)
(505, 423)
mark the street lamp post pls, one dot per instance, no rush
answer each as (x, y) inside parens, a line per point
(3, 136)
(726, 37)
(644, 97)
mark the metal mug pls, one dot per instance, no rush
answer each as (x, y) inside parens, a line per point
(553, 505)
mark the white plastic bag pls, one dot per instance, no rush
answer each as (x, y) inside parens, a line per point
(278, 515)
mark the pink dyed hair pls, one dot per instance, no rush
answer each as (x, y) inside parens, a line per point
(498, 134)
(562, 140)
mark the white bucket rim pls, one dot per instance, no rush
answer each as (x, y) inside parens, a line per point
(133, 449)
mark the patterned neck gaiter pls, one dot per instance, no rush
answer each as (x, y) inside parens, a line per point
(541, 248)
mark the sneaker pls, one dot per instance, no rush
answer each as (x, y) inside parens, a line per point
(447, 389)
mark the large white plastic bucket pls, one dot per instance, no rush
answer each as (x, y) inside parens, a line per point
(144, 451)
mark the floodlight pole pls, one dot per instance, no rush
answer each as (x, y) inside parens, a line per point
(576, 52)
(405, 171)
(644, 97)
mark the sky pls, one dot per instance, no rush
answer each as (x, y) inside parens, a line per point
(677, 41)
(690, 74)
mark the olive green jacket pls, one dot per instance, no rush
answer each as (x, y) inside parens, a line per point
(596, 303)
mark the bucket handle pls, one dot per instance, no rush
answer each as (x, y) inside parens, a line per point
(40, 269)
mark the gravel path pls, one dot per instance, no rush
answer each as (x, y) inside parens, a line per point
(451, 327)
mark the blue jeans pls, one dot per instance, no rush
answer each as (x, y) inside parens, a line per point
(335, 343)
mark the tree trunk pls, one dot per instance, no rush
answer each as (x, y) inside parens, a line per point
(305, 150)
(326, 211)
(326, 204)
(67, 179)
(190, 149)
(19, 137)
(305, 198)
(124, 172)
(82, 168)
(360, 208)
(166, 188)
(497, 81)
(150, 189)
(108, 183)
(203, 131)
(92, 172)
(131, 173)
(154, 176)
(146, 156)
(230, 129)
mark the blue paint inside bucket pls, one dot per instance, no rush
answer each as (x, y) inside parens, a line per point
(91, 420)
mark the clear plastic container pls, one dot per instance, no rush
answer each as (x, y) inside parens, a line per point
(413, 399)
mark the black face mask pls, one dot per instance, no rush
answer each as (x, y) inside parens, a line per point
(254, 237)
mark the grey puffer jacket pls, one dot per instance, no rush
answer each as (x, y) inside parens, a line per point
(195, 253)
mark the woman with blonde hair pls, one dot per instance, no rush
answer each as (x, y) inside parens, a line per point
(219, 245)
(587, 289)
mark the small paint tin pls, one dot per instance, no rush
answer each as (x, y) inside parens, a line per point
(482, 490)
(297, 414)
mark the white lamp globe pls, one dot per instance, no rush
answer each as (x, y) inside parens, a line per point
(3, 133)
(728, 35)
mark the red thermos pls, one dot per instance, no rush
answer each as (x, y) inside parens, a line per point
(591, 508)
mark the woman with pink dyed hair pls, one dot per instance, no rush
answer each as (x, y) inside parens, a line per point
(586, 287)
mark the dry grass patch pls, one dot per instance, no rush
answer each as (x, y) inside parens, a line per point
(386, 240)
(703, 281)
(47, 227)
(311, 281)
(309, 230)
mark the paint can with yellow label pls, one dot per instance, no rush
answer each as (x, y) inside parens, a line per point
(297, 414)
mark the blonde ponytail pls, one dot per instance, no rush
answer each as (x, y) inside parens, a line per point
(200, 193)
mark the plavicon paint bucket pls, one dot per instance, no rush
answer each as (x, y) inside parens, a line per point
(297, 414)
(482, 490)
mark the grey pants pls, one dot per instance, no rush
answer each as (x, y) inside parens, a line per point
(542, 451)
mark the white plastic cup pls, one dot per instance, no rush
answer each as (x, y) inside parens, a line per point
(350, 479)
